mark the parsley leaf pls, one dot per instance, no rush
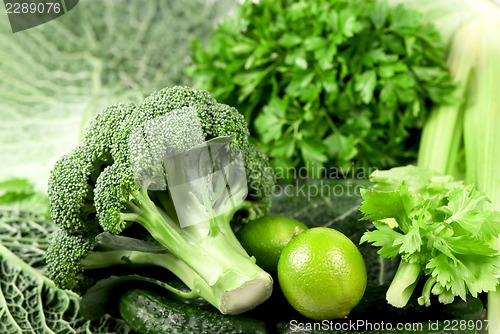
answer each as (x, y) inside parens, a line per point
(359, 74)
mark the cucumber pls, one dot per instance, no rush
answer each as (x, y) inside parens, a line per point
(147, 312)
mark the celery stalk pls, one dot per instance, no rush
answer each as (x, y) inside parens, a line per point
(445, 122)
(482, 132)
(477, 71)
(470, 28)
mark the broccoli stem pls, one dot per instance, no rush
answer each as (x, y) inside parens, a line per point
(403, 284)
(211, 261)
(105, 259)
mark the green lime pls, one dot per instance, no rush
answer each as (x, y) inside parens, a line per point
(265, 238)
(322, 274)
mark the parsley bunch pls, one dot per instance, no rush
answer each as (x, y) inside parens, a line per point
(327, 83)
(439, 228)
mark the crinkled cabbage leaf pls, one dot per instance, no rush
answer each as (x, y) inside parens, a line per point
(54, 76)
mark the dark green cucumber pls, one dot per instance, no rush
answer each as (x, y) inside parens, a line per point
(147, 312)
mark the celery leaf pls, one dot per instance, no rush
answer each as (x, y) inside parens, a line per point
(443, 227)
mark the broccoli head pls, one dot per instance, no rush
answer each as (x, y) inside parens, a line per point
(178, 165)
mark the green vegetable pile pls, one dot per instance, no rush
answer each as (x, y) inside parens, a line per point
(336, 84)
(146, 155)
(32, 303)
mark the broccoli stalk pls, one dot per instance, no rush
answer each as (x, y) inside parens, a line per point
(207, 281)
(215, 264)
(179, 166)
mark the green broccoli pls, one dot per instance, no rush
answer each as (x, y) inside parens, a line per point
(177, 169)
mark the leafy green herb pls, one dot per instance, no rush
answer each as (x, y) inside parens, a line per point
(327, 83)
(439, 228)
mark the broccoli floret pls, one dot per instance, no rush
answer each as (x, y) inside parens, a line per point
(180, 166)
(64, 256)
(71, 191)
(72, 180)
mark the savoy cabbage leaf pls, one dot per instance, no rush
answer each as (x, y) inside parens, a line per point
(26, 236)
(29, 301)
(54, 76)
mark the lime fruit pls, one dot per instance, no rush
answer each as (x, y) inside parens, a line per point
(265, 238)
(322, 274)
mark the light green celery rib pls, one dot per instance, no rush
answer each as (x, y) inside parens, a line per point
(482, 131)
(442, 132)
(470, 28)
(482, 118)
(449, 15)
(403, 284)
